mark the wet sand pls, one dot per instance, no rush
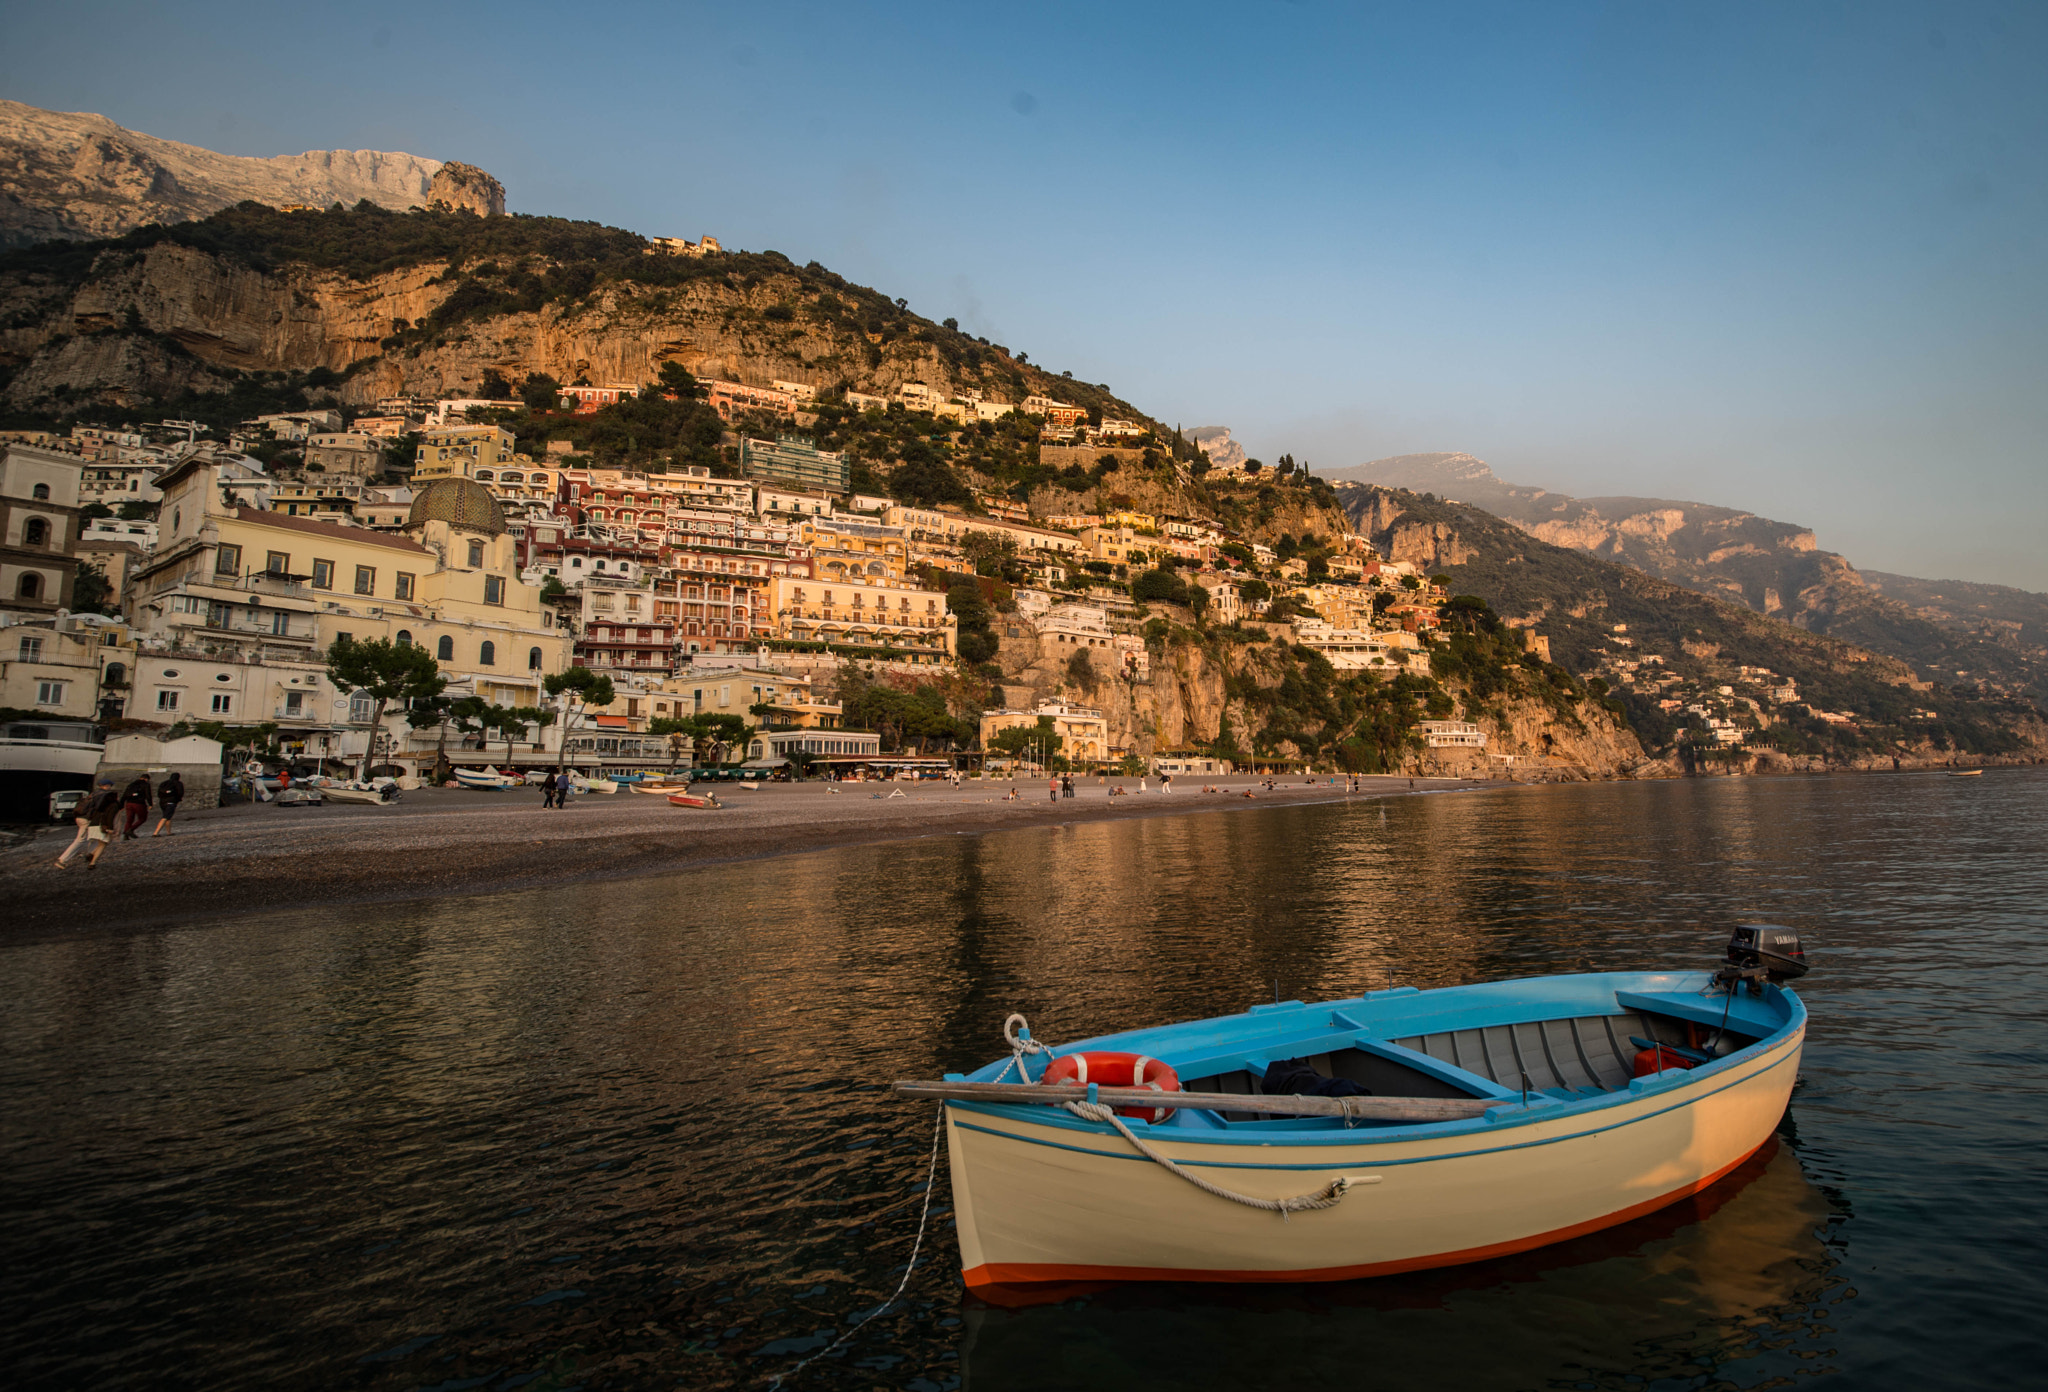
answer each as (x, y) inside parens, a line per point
(438, 842)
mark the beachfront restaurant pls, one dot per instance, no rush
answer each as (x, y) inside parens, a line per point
(773, 748)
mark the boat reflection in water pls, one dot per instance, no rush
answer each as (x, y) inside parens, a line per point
(1738, 1272)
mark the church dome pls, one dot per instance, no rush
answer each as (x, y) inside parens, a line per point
(459, 502)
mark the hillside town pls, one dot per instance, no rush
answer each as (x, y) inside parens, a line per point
(164, 579)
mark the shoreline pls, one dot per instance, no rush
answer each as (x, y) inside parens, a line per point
(434, 843)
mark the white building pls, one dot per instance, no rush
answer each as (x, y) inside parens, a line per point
(1452, 734)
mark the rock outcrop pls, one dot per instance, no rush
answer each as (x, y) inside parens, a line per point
(77, 176)
(465, 188)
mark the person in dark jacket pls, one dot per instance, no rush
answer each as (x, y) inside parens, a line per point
(135, 801)
(167, 799)
(547, 791)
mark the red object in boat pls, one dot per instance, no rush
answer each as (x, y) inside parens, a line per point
(692, 800)
(1656, 1060)
(1117, 1070)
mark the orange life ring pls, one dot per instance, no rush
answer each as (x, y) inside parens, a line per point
(1118, 1070)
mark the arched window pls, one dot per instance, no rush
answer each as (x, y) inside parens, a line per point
(404, 638)
(41, 493)
(35, 532)
(115, 675)
(487, 655)
(31, 587)
(483, 475)
(533, 659)
(445, 649)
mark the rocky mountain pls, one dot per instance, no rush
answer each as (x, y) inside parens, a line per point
(77, 176)
(1215, 441)
(1774, 568)
(1577, 600)
(426, 302)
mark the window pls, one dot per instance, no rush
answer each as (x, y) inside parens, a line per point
(280, 624)
(277, 563)
(403, 585)
(323, 575)
(476, 553)
(30, 587)
(217, 614)
(31, 650)
(36, 532)
(404, 637)
(223, 703)
(362, 708)
(115, 675)
(227, 560)
(487, 655)
(494, 589)
(167, 700)
(445, 649)
(49, 693)
(41, 492)
(366, 580)
(533, 659)
(295, 703)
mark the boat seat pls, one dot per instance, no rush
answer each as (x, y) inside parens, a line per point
(1568, 1058)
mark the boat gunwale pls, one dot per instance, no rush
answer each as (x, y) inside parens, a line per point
(1506, 1112)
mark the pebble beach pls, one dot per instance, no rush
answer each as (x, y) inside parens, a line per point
(438, 842)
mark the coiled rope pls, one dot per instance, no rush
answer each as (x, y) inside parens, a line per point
(930, 1175)
(1325, 1197)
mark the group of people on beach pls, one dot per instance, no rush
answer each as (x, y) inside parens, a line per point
(108, 816)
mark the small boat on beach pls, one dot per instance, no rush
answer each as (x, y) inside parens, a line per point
(693, 800)
(1389, 1132)
(485, 779)
(340, 792)
(662, 789)
(593, 785)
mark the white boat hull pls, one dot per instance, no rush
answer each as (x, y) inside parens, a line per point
(1040, 1203)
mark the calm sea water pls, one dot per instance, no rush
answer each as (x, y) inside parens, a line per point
(632, 1135)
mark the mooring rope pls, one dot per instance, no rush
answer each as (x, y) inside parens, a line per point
(930, 1176)
(1326, 1197)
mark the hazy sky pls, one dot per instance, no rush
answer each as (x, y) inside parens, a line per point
(1781, 257)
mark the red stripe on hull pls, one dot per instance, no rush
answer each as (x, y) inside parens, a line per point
(1026, 1273)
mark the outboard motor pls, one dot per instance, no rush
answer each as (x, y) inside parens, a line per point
(1760, 952)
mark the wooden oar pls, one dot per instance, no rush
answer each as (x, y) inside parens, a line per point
(1355, 1108)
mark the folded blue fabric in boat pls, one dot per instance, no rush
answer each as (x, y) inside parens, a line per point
(1295, 1078)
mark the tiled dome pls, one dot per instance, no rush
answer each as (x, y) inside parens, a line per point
(459, 502)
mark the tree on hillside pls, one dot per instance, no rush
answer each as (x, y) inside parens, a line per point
(975, 639)
(385, 672)
(1038, 743)
(540, 392)
(578, 686)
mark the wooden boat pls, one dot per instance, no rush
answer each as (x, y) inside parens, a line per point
(485, 779)
(1503, 1117)
(594, 785)
(336, 792)
(693, 800)
(1966, 773)
(662, 789)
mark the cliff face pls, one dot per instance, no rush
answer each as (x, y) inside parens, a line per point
(1187, 699)
(199, 317)
(78, 176)
(465, 188)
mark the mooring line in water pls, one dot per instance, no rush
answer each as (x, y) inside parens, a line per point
(931, 1173)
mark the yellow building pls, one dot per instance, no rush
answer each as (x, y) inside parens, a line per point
(864, 611)
(1084, 732)
(269, 591)
(458, 451)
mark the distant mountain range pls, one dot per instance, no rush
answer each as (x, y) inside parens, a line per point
(78, 176)
(1950, 632)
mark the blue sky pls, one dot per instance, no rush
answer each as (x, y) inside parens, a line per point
(1781, 257)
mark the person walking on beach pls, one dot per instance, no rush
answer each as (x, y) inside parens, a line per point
(547, 791)
(81, 818)
(135, 801)
(100, 814)
(1052, 788)
(167, 799)
(1165, 782)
